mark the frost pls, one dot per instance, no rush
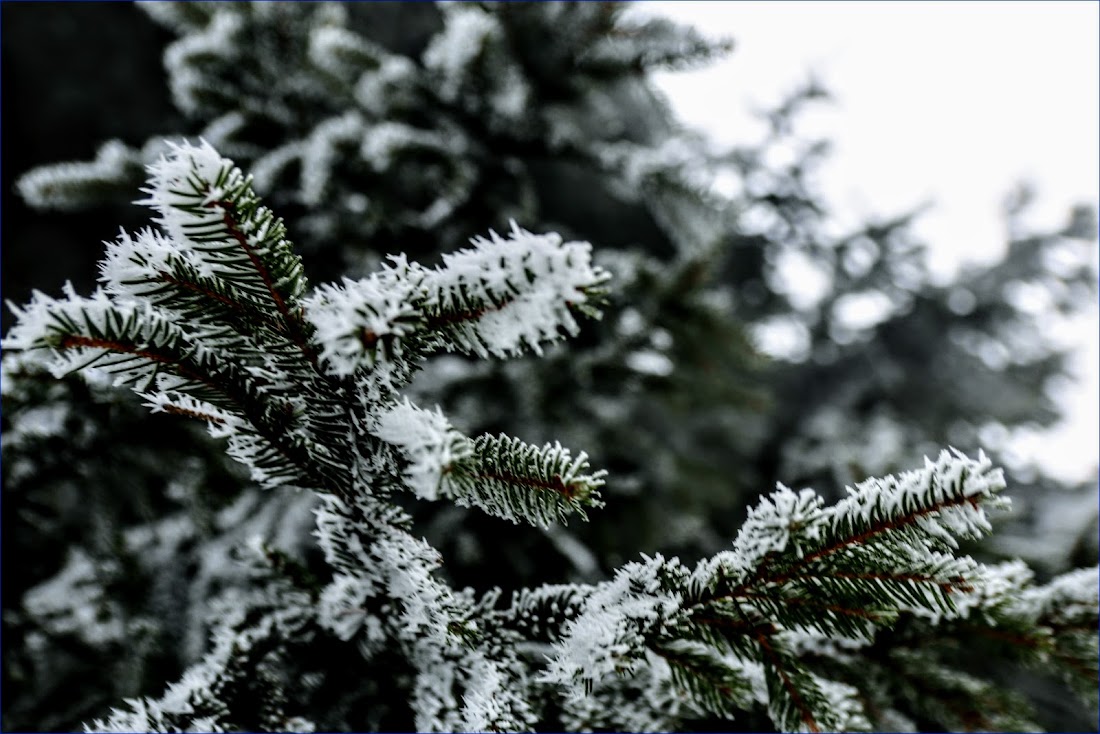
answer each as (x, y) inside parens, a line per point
(781, 518)
(376, 91)
(219, 422)
(861, 311)
(73, 185)
(40, 421)
(342, 608)
(502, 296)
(455, 49)
(518, 289)
(382, 142)
(842, 702)
(340, 51)
(1068, 599)
(610, 633)
(427, 441)
(640, 165)
(181, 185)
(945, 485)
(322, 152)
(136, 266)
(782, 337)
(185, 79)
(491, 702)
(267, 169)
(206, 319)
(221, 131)
(363, 322)
(801, 279)
(51, 323)
(73, 602)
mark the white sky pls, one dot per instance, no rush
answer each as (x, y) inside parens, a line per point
(948, 102)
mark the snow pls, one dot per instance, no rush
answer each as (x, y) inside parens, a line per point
(781, 518)
(321, 153)
(427, 441)
(609, 635)
(459, 44)
(523, 286)
(364, 322)
(55, 185)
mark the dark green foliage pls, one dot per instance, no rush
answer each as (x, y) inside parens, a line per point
(368, 150)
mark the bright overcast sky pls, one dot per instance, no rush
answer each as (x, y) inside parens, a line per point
(948, 102)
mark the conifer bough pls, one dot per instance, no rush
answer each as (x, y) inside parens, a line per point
(842, 617)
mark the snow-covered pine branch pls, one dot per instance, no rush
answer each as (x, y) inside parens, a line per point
(228, 690)
(210, 320)
(77, 184)
(211, 309)
(499, 475)
(502, 297)
(175, 308)
(797, 568)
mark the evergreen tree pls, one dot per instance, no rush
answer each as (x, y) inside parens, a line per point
(373, 141)
(813, 616)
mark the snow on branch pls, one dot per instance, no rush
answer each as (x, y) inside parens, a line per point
(500, 298)
(75, 185)
(362, 323)
(209, 320)
(205, 201)
(509, 294)
(381, 566)
(847, 570)
(502, 476)
(131, 340)
(429, 444)
(252, 629)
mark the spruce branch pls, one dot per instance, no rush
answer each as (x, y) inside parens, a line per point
(114, 173)
(210, 320)
(502, 476)
(224, 236)
(202, 199)
(849, 570)
(513, 480)
(227, 690)
(502, 297)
